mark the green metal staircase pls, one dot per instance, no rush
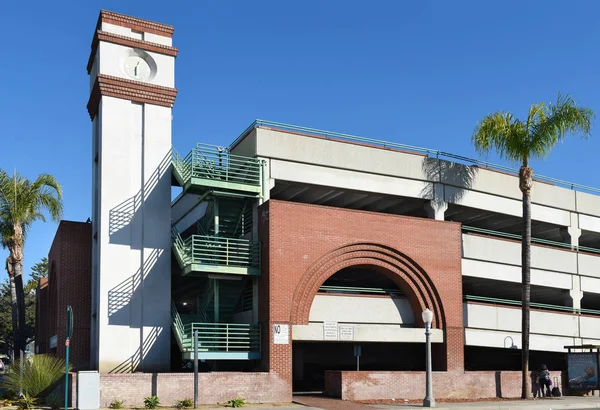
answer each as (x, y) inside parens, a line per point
(230, 185)
(216, 341)
(209, 167)
(234, 217)
(203, 254)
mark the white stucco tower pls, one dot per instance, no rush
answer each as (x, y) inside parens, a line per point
(131, 68)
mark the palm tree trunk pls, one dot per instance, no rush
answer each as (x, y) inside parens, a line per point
(18, 274)
(20, 293)
(13, 299)
(525, 184)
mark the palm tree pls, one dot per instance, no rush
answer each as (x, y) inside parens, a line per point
(518, 141)
(23, 202)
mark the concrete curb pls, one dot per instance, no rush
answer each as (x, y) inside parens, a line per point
(548, 406)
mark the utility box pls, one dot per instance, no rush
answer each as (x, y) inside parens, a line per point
(88, 390)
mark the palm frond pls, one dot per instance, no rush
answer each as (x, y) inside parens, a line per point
(502, 133)
(562, 118)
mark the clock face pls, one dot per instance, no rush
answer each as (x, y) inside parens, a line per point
(137, 68)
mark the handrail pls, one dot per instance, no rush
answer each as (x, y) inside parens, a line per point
(226, 337)
(178, 325)
(222, 251)
(532, 304)
(540, 241)
(214, 162)
(355, 289)
(394, 145)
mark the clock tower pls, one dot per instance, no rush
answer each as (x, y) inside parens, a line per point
(132, 92)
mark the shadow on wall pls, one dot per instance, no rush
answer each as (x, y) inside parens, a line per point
(132, 364)
(456, 179)
(127, 214)
(122, 297)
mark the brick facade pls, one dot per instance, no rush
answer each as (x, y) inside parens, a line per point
(69, 283)
(377, 385)
(303, 245)
(213, 387)
(42, 334)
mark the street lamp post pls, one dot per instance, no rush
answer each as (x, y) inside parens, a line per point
(429, 401)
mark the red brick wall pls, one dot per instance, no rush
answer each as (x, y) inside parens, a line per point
(42, 316)
(69, 283)
(305, 244)
(213, 387)
(375, 385)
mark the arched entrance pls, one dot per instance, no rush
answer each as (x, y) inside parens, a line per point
(363, 295)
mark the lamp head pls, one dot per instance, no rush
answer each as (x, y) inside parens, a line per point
(427, 316)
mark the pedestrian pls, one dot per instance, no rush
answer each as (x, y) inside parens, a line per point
(544, 380)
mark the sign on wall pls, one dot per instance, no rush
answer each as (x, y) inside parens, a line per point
(583, 371)
(330, 331)
(346, 332)
(281, 334)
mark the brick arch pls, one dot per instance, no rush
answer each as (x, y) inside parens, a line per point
(406, 273)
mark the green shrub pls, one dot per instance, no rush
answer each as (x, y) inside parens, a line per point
(184, 404)
(40, 373)
(151, 402)
(55, 400)
(27, 402)
(237, 402)
(117, 404)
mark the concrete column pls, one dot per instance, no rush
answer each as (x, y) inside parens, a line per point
(576, 293)
(436, 209)
(572, 232)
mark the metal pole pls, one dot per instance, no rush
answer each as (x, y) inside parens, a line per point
(429, 400)
(67, 377)
(21, 373)
(357, 363)
(195, 369)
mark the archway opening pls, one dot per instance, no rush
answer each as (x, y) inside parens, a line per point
(361, 318)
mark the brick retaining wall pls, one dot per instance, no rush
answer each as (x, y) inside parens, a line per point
(216, 387)
(373, 385)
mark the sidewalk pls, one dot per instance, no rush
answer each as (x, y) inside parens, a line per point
(554, 403)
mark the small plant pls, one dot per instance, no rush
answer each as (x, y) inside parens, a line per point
(184, 404)
(151, 402)
(55, 400)
(26, 402)
(237, 402)
(117, 404)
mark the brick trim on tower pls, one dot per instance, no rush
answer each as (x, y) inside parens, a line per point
(134, 23)
(127, 42)
(129, 90)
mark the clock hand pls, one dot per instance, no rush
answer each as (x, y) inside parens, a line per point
(135, 69)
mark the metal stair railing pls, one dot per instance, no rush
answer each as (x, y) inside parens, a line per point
(214, 250)
(213, 162)
(182, 165)
(181, 247)
(178, 327)
(227, 337)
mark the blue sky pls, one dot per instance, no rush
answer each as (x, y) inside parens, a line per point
(415, 72)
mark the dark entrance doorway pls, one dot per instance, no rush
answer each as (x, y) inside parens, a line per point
(312, 359)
